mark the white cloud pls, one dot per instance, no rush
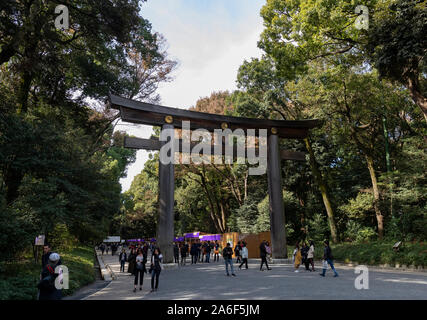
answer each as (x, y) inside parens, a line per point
(210, 40)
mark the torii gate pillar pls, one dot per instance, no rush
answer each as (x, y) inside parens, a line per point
(277, 213)
(165, 223)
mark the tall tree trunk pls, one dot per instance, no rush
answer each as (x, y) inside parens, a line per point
(379, 215)
(323, 189)
(417, 96)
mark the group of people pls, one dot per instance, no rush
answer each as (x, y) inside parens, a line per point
(137, 261)
(106, 248)
(201, 252)
(304, 254)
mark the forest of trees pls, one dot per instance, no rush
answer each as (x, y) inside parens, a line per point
(365, 172)
(60, 162)
(61, 157)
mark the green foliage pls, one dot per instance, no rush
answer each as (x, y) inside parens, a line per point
(358, 207)
(318, 229)
(377, 252)
(18, 279)
(356, 232)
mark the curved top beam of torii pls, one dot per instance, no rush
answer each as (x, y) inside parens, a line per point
(151, 114)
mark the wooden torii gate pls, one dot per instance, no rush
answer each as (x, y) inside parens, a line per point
(170, 118)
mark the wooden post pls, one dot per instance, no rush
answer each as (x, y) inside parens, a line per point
(165, 224)
(277, 215)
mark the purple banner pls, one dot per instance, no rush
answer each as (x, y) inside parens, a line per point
(192, 235)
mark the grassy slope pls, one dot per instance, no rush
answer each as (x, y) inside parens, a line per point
(376, 253)
(18, 280)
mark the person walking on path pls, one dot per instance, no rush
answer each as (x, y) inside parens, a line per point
(244, 256)
(193, 252)
(145, 250)
(123, 258)
(268, 250)
(208, 252)
(132, 261)
(102, 247)
(263, 255)
(227, 253)
(328, 259)
(198, 251)
(139, 270)
(176, 252)
(184, 250)
(216, 251)
(46, 286)
(297, 257)
(304, 255)
(310, 255)
(156, 268)
(237, 252)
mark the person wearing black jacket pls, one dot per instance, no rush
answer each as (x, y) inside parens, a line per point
(227, 253)
(193, 252)
(237, 252)
(208, 252)
(328, 258)
(46, 254)
(123, 258)
(132, 261)
(48, 290)
(304, 254)
(263, 255)
(176, 252)
(156, 268)
(184, 251)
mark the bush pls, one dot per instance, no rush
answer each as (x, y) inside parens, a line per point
(18, 280)
(356, 232)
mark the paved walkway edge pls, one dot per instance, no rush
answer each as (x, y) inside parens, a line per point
(106, 272)
(318, 265)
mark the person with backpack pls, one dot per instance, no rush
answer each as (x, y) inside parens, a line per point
(328, 259)
(263, 255)
(237, 252)
(46, 286)
(139, 270)
(244, 256)
(123, 258)
(227, 253)
(297, 257)
(156, 268)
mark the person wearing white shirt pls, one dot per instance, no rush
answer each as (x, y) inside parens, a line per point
(244, 253)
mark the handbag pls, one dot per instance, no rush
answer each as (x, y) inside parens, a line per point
(325, 264)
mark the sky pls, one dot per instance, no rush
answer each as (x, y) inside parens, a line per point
(209, 39)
